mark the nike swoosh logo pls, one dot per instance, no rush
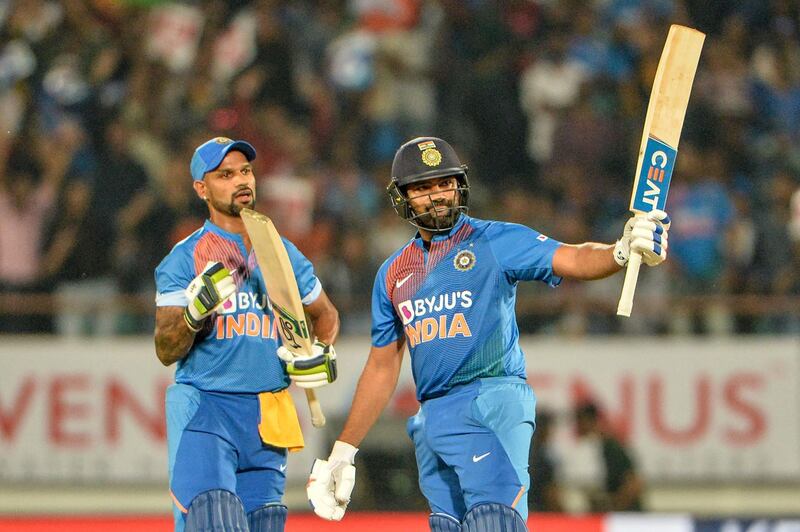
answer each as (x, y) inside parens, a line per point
(481, 457)
(283, 467)
(401, 282)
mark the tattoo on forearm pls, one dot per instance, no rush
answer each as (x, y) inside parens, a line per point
(173, 338)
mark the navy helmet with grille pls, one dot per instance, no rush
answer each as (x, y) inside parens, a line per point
(421, 159)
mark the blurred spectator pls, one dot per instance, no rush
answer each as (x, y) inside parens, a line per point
(549, 97)
(794, 219)
(348, 193)
(405, 94)
(544, 494)
(777, 250)
(702, 212)
(609, 476)
(739, 249)
(550, 84)
(29, 185)
(348, 274)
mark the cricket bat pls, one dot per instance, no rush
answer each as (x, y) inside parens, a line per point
(662, 131)
(284, 296)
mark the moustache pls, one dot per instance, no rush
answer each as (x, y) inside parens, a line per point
(245, 190)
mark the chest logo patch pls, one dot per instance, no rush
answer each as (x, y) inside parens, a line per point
(464, 260)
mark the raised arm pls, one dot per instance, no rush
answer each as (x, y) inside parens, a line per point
(585, 261)
(645, 234)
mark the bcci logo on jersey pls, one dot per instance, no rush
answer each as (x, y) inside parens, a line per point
(464, 260)
(430, 327)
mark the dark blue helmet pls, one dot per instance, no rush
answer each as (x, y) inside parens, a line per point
(421, 159)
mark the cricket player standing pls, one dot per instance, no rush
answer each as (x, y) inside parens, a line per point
(230, 419)
(449, 294)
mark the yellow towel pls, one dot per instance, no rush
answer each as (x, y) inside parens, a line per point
(279, 425)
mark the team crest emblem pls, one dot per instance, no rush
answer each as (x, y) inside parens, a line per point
(464, 261)
(223, 140)
(432, 157)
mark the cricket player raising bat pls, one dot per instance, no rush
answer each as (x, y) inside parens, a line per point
(449, 295)
(230, 419)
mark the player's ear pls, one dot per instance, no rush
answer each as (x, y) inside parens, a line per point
(200, 189)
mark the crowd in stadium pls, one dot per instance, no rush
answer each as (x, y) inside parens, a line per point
(103, 101)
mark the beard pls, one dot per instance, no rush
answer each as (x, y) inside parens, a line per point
(233, 208)
(433, 218)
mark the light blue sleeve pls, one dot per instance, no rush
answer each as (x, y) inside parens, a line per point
(523, 253)
(386, 326)
(307, 282)
(173, 275)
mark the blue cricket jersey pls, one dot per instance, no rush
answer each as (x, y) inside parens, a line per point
(455, 301)
(238, 355)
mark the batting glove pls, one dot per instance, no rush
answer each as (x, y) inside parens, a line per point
(331, 482)
(206, 293)
(312, 371)
(646, 234)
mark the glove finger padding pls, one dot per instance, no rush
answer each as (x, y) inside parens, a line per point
(645, 234)
(661, 217)
(310, 381)
(650, 237)
(207, 292)
(345, 479)
(320, 492)
(311, 371)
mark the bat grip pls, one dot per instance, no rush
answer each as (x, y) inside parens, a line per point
(629, 286)
(317, 417)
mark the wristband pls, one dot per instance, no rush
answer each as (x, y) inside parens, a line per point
(193, 325)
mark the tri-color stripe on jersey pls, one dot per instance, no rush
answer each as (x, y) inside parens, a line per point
(212, 247)
(236, 351)
(454, 302)
(407, 272)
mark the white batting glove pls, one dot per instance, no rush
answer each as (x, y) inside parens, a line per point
(207, 292)
(312, 371)
(331, 482)
(646, 234)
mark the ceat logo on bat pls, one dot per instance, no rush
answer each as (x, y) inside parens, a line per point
(654, 177)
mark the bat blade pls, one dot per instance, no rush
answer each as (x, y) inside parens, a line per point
(284, 296)
(666, 111)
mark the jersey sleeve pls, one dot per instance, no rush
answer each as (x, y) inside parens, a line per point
(386, 326)
(308, 284)
(523, 253)
(173, 275)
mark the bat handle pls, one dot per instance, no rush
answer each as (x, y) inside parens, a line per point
(629, 286)
(317, 417)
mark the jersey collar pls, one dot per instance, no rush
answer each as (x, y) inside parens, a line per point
(214, 228)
